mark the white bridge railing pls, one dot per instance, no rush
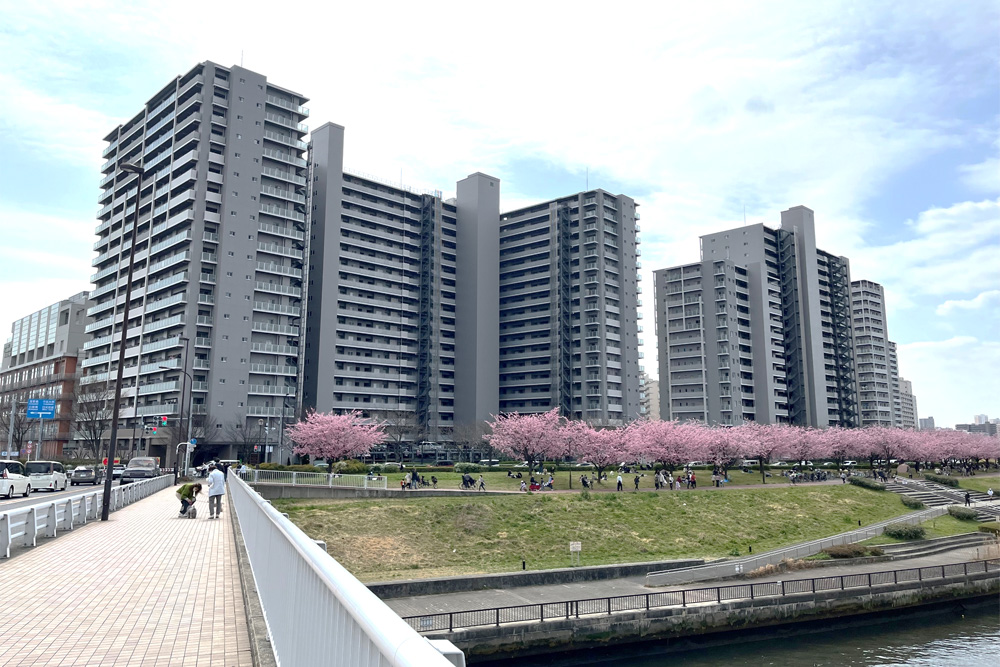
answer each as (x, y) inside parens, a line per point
(23, 526)
(318, 613)
(332, 480)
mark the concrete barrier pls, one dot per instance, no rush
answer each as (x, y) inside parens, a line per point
(400, 589)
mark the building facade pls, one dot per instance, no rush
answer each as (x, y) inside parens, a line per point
(760, 329)
(926, 424)
(433, 314)
(872, 355)
(649, 398)
(908, 406)
(219, 261)
(40, 361)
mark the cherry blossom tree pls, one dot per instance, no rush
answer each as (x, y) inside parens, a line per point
(530, 437)
(720, 445)
(764, 443)
(333, 437)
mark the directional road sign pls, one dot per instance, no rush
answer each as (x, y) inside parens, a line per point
(41, 408)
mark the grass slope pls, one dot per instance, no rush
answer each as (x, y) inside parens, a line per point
(427, 537)
(942, 526)
(982, 483)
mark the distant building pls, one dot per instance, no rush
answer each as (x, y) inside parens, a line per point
(874, 354)
(897, 402)
(927, 424)
(649, 398)
(980, 419)
(908, 404)
(40, 361)
(986, 428)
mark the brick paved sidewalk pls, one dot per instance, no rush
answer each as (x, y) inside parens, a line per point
(145, 588)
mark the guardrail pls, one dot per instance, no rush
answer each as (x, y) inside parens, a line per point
(318, 613)
(332, 480)
(23, 526)
(747, 564)
(549, 611)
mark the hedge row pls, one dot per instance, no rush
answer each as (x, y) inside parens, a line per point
(912, 503)
(962, 513)
(904, 531)
(941, 479)
(852, 551)
(866, 483)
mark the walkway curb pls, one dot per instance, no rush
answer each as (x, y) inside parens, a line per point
(260, 641)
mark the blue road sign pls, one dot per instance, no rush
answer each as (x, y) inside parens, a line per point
(194, 441)
(41, 408)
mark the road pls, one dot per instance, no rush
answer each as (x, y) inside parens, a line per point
(45, 496)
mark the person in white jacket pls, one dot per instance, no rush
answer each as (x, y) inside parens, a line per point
(216, 487)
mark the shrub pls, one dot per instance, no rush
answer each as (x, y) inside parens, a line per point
(904, 531)
(962, 513)
(866, 483)
(852, 551)
(912, 503)
(350, 467)
(467, 468)
(941, 479)
(993, 528)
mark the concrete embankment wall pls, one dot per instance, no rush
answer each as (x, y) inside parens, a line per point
(678, 625)
(408, 588)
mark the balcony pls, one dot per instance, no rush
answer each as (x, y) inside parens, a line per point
(278, 102)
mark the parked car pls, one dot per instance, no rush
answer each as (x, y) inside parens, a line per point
(140, 468)
(13, 480)
(753, 463)
(87, 475)
(850, 463)
(49, 475)
(117, 470)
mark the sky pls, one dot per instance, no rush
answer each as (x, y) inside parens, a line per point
(882, 117)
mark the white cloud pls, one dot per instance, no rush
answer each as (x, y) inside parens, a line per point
(983, 176)
(954, 378)
(981, 300)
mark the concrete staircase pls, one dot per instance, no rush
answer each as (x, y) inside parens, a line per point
(907, 550)
(933, 494)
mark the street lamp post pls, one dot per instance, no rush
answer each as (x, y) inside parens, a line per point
(260, 438)
(281, 429)
(128, 168)
(180, 404)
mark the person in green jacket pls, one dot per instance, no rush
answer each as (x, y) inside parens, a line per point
(186, 494)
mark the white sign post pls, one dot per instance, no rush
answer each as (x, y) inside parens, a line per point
(574, 552)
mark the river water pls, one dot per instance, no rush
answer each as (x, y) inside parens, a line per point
(958, 636)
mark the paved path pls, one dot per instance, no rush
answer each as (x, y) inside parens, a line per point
(448, 602)
(144, 588)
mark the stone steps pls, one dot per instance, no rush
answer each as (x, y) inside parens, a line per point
(907, 550)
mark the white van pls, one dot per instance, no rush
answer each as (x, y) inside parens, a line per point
(48, 475)
(13, 480)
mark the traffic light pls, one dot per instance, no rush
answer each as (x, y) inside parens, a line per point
(153, 429)
(163, 420)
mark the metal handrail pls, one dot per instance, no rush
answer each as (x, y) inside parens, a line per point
(23, 526)
(306, 593)
(540, 612)
(330, 480)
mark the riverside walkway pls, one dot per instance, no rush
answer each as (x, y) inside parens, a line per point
(486, 599)
(144, 588)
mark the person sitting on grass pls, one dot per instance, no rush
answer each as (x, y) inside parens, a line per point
(524, 487)
(187, 495)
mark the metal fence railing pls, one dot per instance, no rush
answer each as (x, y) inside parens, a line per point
(331, 480)
(23, 526)
(548, 611)
(318, 613)
(748, 564)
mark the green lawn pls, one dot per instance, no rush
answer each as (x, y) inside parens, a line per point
(426, 537)
(498, 481)
(941, 526)
(982, 483)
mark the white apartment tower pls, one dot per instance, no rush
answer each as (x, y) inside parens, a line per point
(219, 263)
(873, 354)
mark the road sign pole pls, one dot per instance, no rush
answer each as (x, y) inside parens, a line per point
(41, 438)
(10, 427)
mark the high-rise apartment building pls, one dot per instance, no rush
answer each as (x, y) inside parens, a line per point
(220, 252)
(927, 424)
(981, 419)
(40, 361)
(908, 404)
(897, 401)
(649, 398)
(760, 329)
(435, 314)
(569, 308)
(872, 354)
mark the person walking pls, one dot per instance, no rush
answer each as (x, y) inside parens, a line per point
(482, 484)
(843, 477)
(694, 481)
(636, 482)
(187, 494)
(216, 487)
(989, 492)
(968, 499)
(406, 481)
(243, 469)
(619, 481)
(434, 481)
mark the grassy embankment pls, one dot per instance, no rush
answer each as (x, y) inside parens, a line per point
(427, 537)
(982, 484)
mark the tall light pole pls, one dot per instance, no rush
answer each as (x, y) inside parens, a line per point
(281, 429)
(180, 407)
(128, 168)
